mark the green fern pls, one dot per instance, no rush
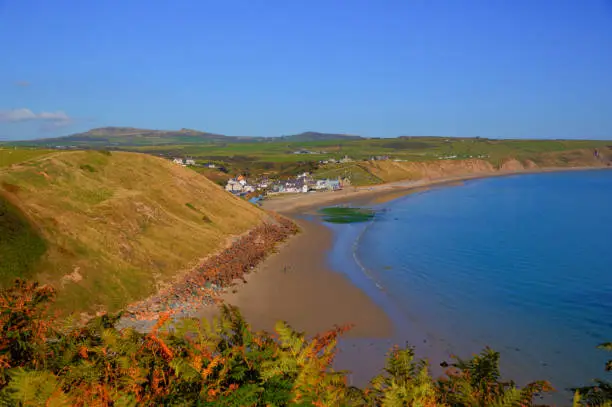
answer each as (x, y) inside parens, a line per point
(34, 388)
(599, 394)
(224, 363)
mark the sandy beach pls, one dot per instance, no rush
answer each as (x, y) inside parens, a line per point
(296, 285)
(364, 195)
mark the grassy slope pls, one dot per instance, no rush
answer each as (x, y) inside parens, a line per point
(116, 226)
(357, 172)
(20, 243)
(9, 156)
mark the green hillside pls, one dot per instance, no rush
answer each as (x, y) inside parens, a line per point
(109, 228)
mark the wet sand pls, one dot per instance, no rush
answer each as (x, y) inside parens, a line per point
(296, 285)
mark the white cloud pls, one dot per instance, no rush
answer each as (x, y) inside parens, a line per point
(16, 115)
(51, 119)
(57, 116)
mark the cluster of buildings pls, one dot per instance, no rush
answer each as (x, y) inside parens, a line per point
(454, 156)
(304, 151)
(300, 184)
(345, 159)
(240, 186)
(379, 158)
(305, 183)
(184, 162)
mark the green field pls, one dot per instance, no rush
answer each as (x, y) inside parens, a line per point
(416, 149)
(277, 158)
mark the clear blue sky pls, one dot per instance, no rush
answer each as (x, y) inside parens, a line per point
(490, 68)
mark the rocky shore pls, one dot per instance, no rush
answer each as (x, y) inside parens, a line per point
(203, 285)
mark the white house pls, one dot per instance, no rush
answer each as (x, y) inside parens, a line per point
(178, 161)
(321, 184)
(233, 186)
(189, 161)
(328, 184)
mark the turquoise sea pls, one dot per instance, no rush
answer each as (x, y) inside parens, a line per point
(522, 264)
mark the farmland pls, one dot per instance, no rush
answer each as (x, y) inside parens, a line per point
(283, 157)
(280, 158)
(414, 149)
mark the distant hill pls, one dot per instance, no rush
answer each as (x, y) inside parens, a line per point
(315, 136)
(109, 228)
(117, 137)
(106, 137)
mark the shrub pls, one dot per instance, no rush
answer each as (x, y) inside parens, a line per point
(220, 364)
(87, 167)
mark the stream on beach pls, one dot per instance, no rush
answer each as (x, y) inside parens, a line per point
(519, 263)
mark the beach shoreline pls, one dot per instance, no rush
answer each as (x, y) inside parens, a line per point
(362, 351)
(295, 284)
(296, 204)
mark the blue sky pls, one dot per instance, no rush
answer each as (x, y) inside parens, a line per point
(489, 68)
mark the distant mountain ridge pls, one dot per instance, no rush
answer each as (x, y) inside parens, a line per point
(129, 136)
(115, 136)
(316, 136)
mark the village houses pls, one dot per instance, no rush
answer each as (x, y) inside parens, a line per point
(184, 162)
(302, 183)
(239, 186)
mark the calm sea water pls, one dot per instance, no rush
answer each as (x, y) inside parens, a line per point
(522, 264)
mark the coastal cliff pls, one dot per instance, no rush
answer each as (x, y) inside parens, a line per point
(391, 171)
